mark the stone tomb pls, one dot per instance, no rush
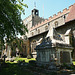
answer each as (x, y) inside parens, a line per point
(54, 50)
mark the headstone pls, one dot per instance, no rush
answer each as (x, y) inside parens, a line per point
(17, 52)
(8, 51)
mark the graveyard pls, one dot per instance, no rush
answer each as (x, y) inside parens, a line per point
(53, 58)
(36, 45)
(21, 66)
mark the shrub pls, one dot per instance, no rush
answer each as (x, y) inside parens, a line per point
(1, 61)
(32, 62)
(20, 62)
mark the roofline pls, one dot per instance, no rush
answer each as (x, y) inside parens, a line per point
(70, 21)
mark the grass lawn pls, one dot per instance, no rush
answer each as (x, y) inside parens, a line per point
(11, 68)
(74, 62)
(17, 58)
(26, 60)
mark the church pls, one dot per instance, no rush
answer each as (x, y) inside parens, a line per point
(38, 27)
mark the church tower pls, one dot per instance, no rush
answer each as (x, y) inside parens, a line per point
(35, 12)
(35, 17)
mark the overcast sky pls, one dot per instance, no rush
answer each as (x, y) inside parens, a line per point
(46, 7)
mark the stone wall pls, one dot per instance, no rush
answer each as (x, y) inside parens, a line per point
(36, 20)
(39, 30)
(37, 26)
(36, 39)
(64, 57)
(28, 23)
(62, 30)
(70, 25)
(50, 23)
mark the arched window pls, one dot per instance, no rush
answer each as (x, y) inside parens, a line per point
(34, 40)
(46, 27)
(56, 23)
(33, 45)
(32, 33)
(26, 25)
(38, 30)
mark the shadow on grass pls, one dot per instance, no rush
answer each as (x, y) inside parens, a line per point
(13, 69)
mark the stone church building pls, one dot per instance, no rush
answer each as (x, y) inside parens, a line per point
(62, 22)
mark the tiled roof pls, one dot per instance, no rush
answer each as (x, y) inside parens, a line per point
(71, 15)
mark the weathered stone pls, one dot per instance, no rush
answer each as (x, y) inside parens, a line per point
(53, 48)
(52, 67)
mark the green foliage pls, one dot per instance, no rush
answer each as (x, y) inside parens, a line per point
(20, 61)
(16, 42)
(26, 60)
(14, 69)
(10, 19)
(73, 62)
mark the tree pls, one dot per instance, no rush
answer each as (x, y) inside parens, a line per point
(17, 43)
(10, 19)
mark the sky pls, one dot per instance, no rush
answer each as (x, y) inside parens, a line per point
(46, 7)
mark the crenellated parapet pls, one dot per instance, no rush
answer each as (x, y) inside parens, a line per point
(50, 17)
(39, 24)
(55, 16)
(71, 6)
(59, 14)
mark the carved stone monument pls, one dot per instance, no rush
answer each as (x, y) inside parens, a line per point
(54, 50)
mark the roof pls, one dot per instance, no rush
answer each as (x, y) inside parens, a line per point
(71, 15)
(68, 32)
